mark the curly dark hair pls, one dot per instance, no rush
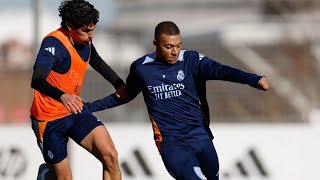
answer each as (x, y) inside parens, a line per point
(78, 13)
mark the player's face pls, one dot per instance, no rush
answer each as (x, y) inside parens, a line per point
(168, 48)
(83, 35)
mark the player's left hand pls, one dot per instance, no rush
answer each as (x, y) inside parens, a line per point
(122, 93)
(263, 84)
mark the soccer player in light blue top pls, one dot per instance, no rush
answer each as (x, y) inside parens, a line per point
(172, 81)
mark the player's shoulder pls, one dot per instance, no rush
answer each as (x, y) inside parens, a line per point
(189, 54)
(54, 47)
(148, 58)
(52, 41)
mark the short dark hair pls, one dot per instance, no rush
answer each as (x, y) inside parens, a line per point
(78, 13)
(166, 27)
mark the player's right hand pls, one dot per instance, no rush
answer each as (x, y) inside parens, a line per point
(263, 84)
(122, 93)
(72, 102)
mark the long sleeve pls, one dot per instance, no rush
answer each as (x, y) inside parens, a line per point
(104, 69)
(111, 100)
(40, 84)
(104, 103)
(209, 69)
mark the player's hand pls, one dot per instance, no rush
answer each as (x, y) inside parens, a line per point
(72, 102)
(122, 93)
(263, 84)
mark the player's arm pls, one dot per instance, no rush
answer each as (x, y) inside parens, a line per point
(133, 89)
(40, 83)
(45, 61)
(104, 103)
(97, 63)
(110, 101)
(210, 69)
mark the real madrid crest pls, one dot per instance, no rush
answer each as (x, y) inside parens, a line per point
(180, 75)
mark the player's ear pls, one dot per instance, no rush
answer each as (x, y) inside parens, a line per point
(154, 42)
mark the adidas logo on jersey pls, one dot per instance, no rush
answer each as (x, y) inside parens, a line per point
(201, 56)
(50, 49)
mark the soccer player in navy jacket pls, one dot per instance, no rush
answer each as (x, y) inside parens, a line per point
(172, 81)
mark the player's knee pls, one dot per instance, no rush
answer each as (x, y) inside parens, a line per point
(110, 158)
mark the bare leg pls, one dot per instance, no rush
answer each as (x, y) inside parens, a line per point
(99, 143)
(62, 170)
(59, 171)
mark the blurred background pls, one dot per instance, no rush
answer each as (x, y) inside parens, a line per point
(276, 38)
